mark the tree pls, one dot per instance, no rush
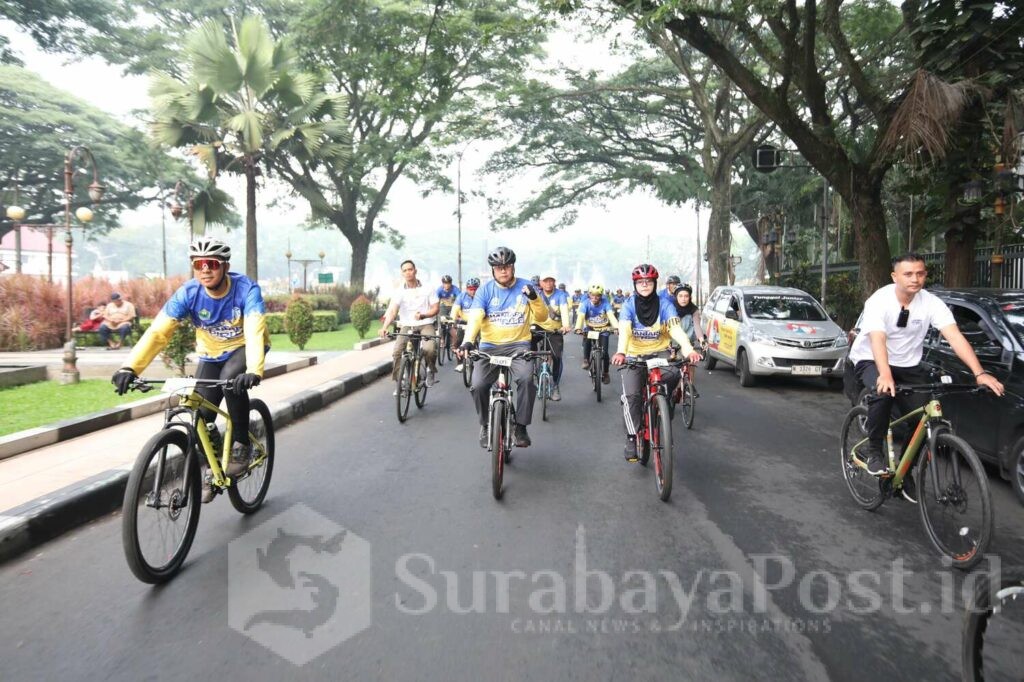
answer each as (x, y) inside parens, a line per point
(834, 102)
(59, 25)
(418, 75)
(240, 101)
(41, 123)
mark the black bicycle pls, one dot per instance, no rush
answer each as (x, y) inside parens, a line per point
(994, 628)
(598, 344)
(412, 373)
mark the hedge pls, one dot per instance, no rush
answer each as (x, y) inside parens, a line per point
(323, 321)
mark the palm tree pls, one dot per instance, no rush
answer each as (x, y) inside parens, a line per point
(240, 100)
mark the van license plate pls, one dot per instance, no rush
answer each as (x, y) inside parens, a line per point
(807, 370)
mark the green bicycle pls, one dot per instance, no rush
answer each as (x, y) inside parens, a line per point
(161, 500)
(954, 497)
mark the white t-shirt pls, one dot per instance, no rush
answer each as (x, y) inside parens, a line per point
(904, 344)
(414, 300)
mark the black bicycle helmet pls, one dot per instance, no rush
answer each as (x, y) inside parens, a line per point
(447, 279)
(673, 279)
(501, 256)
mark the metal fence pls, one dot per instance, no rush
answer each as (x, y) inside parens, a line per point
(1013, 266)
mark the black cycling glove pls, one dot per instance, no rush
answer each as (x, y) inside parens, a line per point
(243, 382)
(530, 292)
(122, 380)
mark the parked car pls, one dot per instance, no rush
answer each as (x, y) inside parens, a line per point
(769, 330)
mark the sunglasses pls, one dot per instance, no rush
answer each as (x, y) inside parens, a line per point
(901, 321)
(211, 263)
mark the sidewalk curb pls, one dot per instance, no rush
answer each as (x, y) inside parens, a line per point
(48, 517)
(31, 439)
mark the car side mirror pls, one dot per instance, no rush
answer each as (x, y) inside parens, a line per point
(731, 314)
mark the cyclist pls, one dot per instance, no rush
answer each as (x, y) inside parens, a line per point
(232, 341)
(416, 308)
(502, 312)
(669, 292)
(618, 298)
(596, 313)
(689, 318)
(447, 293)
(463, 303)
(646, 327)
(557, 304)
(574, 303)
(889, 345)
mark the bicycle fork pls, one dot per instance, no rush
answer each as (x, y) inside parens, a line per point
(501, 393)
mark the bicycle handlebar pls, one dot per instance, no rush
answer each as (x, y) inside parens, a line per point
(146, 385)
(392, 335)
(523, 354)
(940, 388)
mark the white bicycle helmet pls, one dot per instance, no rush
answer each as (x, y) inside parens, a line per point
(205, 247)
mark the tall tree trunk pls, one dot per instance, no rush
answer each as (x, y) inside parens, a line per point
(251, 269)
(360, 253)
(961, 241)
(719, 233)
(867, 215)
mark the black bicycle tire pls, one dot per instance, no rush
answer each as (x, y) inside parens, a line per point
(137, 563)
(237, 501)
(961, 561)
(870, 504)
(421, 384)
(688, 403)
(496, 432)
(596, 367)
(467, 372)
(978, 612)
(405, 368)
(442, 335)
(664, 440)
(543, 389)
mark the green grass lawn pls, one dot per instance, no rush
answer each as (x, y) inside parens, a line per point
(341, 339)
(44, 402)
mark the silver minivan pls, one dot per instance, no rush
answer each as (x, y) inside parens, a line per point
(762, 330)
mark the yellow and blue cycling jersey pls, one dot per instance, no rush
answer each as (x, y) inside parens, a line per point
(463, 302)
(502, 315)
(558, 310)
(448, 298)
(223, 324)
(637, 339)
(599, 316)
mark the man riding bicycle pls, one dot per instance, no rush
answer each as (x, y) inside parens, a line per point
(647, 325)
(447, 294)
(416, 307)
(597, 314)
(232, 339)
(502, 312)
(557, 303)
(463, 303)
(889, 346)
(668, 294)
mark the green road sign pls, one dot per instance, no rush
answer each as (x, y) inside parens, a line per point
(325, 278)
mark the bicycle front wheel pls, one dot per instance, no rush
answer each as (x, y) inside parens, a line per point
(421, 384)
(543, 389)
(596, 368)
(661, 446)
(467, 372)
(865, 488)
(161, 508)
(955, 502)
(994, 628)
(249, 489)
(403, 389)
(688, 403)
(498, 448)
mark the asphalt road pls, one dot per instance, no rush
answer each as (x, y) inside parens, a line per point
(760, 566)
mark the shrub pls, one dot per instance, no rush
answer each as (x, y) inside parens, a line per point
(298, 321)
(182, 342)
(32, 313)
(279, 303)
(361, 314)
(842, 294)
(323, 321)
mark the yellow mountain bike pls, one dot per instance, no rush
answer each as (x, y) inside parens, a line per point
(162, 499)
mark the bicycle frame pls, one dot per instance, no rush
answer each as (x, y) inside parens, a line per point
(544, 367)
(930, 424)
(502, 391)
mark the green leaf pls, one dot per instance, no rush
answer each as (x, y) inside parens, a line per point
(249, 126)
(213, 63)
(256, 54)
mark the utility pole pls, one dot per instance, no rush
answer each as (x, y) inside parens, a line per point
(824, 240)
(697, 284)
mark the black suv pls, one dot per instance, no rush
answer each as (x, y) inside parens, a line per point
(992, 320)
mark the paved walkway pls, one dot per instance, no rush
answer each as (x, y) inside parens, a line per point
(31, 475)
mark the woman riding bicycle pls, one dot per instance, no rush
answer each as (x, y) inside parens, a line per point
(689, 320)
(647, 325)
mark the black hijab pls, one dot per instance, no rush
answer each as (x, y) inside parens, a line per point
(648, 307)
(684, 310)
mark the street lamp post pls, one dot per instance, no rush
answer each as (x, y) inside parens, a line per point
(15, 213)
(305, 264)
(177, 209)
(458, 209)
(69, 374)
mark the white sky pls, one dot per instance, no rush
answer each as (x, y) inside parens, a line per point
(624, 224)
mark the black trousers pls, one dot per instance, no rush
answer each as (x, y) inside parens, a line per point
(557, 342)
(520, 374)
(880, 404)
(587, 346)
(238, 403)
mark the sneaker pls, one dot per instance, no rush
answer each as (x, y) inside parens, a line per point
(694, 392)
(522, 438)
(458, 367)
(483, 437)
(556, 395)
(630, 450)
(909, 489)
(432, 379)
(605, 379)
(208, 492)
(241, 455)
(394, 393)
(586, 364)
(876, 465)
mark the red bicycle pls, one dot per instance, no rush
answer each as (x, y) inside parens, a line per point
(655, 436)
